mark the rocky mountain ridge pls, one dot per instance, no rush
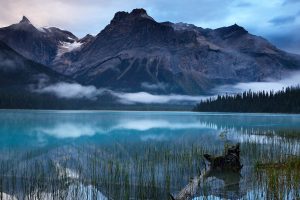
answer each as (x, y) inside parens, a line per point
(136, 53)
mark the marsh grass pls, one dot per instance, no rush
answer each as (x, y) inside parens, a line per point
(146, 170)
(132, 171)
(282, 179)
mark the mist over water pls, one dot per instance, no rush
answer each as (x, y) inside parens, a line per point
(77, 91)
(290, 79)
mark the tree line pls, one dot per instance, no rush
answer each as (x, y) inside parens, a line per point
(16, 98)
(286, 100)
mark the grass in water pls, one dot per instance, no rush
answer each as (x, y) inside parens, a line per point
(281, 179)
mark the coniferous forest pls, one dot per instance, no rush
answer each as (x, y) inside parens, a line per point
(285, 101)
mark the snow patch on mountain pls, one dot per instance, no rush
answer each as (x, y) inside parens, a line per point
(71, 38)
(66, 47)
(42, 29)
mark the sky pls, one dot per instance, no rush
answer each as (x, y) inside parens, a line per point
(276, 20)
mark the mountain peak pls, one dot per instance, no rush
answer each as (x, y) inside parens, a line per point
(233, 30)
(25, 20)
(135, 13)
(236, 27)
(139, 12)
(86, 39)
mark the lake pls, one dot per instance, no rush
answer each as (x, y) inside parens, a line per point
(143, 155)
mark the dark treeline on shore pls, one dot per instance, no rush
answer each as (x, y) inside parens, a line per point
(285, 101)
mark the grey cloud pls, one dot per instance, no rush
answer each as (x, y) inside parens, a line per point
(287, 39)
(283, 20)
(244, 4)
(287, 2)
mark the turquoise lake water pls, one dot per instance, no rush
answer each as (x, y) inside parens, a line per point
(137, 155)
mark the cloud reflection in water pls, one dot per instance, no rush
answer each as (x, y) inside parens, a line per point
(75, 130)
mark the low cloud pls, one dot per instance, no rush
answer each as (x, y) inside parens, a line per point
(71, 91)
(147, 98)
(158, 86)
(8, 64)
(77, 91)
(291, 80)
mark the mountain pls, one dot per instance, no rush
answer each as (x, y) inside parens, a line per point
(20, 73)
(21, 80)
(136, 53)
(42, 45)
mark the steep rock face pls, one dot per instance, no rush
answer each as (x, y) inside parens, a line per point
(19, 72)
(38, 44)
(134, 51)
(87, 39)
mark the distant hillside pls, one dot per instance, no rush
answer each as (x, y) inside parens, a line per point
(284, 101)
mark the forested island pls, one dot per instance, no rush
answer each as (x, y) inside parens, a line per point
(284, 101)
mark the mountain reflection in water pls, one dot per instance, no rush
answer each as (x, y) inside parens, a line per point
(137, 155)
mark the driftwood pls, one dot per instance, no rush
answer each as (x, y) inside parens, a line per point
(230, 162)
(190, 189)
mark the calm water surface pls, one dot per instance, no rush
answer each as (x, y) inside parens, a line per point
(139, 155)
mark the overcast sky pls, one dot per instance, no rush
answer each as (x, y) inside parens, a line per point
(276, 20)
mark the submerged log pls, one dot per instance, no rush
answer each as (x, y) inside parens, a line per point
(229, 161)
(190, 189)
